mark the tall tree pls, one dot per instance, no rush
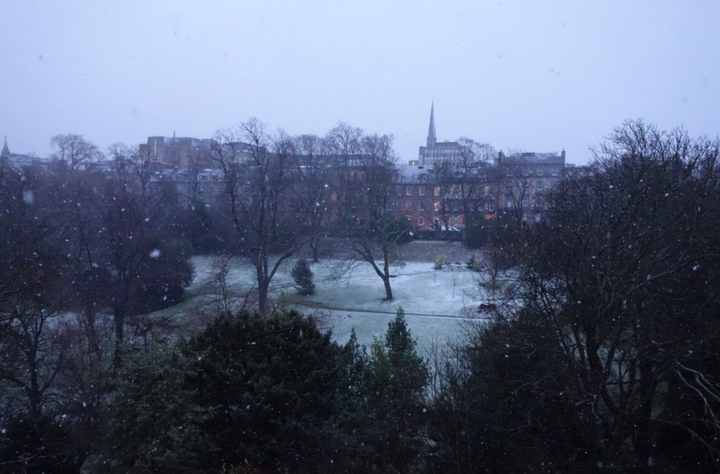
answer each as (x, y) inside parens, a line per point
(257, 191)
(395, 382)
(311, 186)
(364, 185)
(625, 273)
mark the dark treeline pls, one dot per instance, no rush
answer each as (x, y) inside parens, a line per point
(601, 352)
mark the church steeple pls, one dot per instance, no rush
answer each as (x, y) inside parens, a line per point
(431, 138)
(5, 151)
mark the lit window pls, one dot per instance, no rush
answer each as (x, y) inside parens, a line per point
(436, 206)
(437, 190)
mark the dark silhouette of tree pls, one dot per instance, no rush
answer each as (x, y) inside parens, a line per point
(73, 152)
(364, 184)
(257, 192)
(619, 300)
(311, 186)
(250, 390)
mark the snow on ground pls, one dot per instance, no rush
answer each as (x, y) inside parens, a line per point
(433, 301)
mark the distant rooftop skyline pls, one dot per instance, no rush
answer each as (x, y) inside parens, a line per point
(533, 76)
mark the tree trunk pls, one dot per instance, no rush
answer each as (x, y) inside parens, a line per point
(91, 330)
(33, 388)
(314, 244)
(119, 316)
(263, 281)
(388, 290)
(386, 273)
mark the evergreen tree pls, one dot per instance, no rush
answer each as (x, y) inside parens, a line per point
(303, 276)
(250, 390)
(396, 379)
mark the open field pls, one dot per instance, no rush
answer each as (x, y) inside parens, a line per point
(435, 301)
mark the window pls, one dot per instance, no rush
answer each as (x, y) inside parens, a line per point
(525, 203)
(399, 190)
(491, 206)
(554, 171)
(408, 205)
(540, 172)
(408, 190)
(508, 201)
(421, 220)
(437, 190)
(446, 206)
(539, 185)
(538, 203)
(422, 205)
(421, 190)
(455, 206)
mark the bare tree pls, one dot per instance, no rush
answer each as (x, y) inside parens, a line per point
(364, 186)
(514, 185)
(257, 191)
(625, 273)
(460, 184)
(74, 151)
(311, 186)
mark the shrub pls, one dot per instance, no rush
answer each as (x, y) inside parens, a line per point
(475, 265)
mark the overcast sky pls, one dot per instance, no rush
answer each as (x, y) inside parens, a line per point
(529, 75)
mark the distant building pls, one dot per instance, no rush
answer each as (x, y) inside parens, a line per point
(435, 151)
(413, 197)
(179, 153)
(192, 186)
(18, 160)
(523, 180)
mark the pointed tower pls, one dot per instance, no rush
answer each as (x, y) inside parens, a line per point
(5, 151)
(431, 138)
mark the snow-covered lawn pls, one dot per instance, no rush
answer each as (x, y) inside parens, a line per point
(435, 302)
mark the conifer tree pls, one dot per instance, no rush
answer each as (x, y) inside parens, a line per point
(396, 381)
(303, 276)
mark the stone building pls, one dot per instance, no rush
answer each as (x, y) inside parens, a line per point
(435, 151)
(179, 153)
(523, 178)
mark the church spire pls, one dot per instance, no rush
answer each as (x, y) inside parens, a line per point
(5, 150)
(431, 138)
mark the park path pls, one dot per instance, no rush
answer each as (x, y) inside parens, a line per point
(314, 305)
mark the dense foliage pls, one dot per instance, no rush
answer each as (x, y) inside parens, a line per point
(607, 355)
(268, 392)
